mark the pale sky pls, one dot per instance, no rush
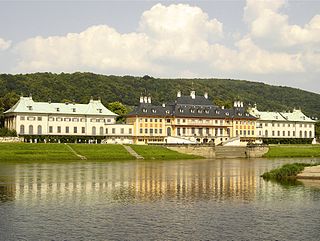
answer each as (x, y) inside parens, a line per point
(276, 42)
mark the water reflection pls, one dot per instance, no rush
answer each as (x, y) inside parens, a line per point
(118, 181)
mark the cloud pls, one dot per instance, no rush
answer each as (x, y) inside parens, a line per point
(268, 24)
(4, 45)
(173, 41)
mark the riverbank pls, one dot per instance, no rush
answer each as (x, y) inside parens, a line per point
(312, 172)
(293, 151)
(25, 152)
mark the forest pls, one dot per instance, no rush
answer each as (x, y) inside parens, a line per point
(80, 87)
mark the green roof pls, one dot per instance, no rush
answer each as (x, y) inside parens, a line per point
(27, 105)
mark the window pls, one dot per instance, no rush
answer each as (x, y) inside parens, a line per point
(178, 131)
(39, 129)
(122, 130)
(200, 131)
(51, 119)
(59, 119)
(39, 118)
(207, 131)
(288, 133)
(75, 129)
(151, 131)
(278, 133)
(83, 129)
(265, 124)
(21, 129)
(73, 109)
(293, 133)
(94, 131)
(141, 130)
(83, 119)
(155, 120)
(266, 133)
(22, 118)
(155, 131)
(283, 133)
(113, 130)
(237, 132)
(75, 119)
(67, 129)
(50, 129)
(245, 132)
(30, 129)
(146, 131)
(59, 129)
(272, 133)
(252, 132)
(150, 120)
(305, 134)
(31, 118)
(310, 134)
(145, 120)
(108, 120)
(192, 130)
(168, 120)
(160, 131)
(160, 120)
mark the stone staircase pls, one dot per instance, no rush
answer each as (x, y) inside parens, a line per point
(230, 151)
(132, 152)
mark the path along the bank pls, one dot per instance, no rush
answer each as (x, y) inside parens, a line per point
(132, 152)
(75, 153)
(312, 172)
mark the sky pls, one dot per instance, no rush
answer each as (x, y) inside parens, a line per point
(276, 42)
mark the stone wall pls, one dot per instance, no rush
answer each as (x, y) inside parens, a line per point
(221, 151)
(11, 139)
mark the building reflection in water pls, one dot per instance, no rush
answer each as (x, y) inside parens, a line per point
(130, 181)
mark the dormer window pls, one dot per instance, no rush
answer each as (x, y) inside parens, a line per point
(58, 109)
(239, 114)
(217, 112)
(227, 114)
(100, 110)
(207, 111)
(144, 110)
(167, 112)
(29, 107)
(181, 110)
(199, 111)
(247, 114)
(192, 110)
(154, 111)
(73, 109)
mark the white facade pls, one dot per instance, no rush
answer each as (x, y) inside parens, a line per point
(119, 134)
(283, 124)
(28, 117)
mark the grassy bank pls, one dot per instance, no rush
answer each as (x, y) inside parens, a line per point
(24, 152)
(293, 151)
(161, 153)
(286, 172)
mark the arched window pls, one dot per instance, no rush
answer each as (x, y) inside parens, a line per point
(168, 131)
(21, 129)
(266, 133)
(300, 134)
(39, 130)
(310, 134)
(101, 131)
(94, 132)
(305, 134)
(30, 129)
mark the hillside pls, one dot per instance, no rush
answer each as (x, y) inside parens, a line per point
(127, 89)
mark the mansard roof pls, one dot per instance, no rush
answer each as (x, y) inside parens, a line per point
(295, 116)
(28, 105)
(188, 107)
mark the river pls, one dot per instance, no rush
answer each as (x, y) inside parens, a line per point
(155, 200)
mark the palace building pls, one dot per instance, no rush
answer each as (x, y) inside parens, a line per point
(293, 124)
(190, 119)
(29, 117)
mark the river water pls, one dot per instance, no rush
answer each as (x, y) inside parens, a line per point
(155, 200)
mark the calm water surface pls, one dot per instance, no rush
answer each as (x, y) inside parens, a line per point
(156, 200)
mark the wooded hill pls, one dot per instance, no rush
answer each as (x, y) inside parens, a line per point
(80, 87)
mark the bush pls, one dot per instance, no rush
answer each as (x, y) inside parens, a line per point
(6, 132)
(287, 141)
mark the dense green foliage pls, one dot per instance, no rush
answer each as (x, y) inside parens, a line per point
(120, 109)
(287, 140)
(318, 129)
(127, 89)
(7, 132)
(294, 151)
(160, 153)
(287, 171)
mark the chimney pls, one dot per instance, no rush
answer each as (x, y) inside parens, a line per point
(241, 104)
(235, 103)
(163, 105)
(149, 100)
(222, 107)
(193, 94)
(206, 95)
(179, 94)
(141, 99)
(145, 99)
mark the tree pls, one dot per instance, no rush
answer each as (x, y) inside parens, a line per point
(118, 108)
(317, 125)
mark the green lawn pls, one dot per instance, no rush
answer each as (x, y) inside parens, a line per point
(293, 151)
(160, 153)
(35, 152)
(102, 152)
